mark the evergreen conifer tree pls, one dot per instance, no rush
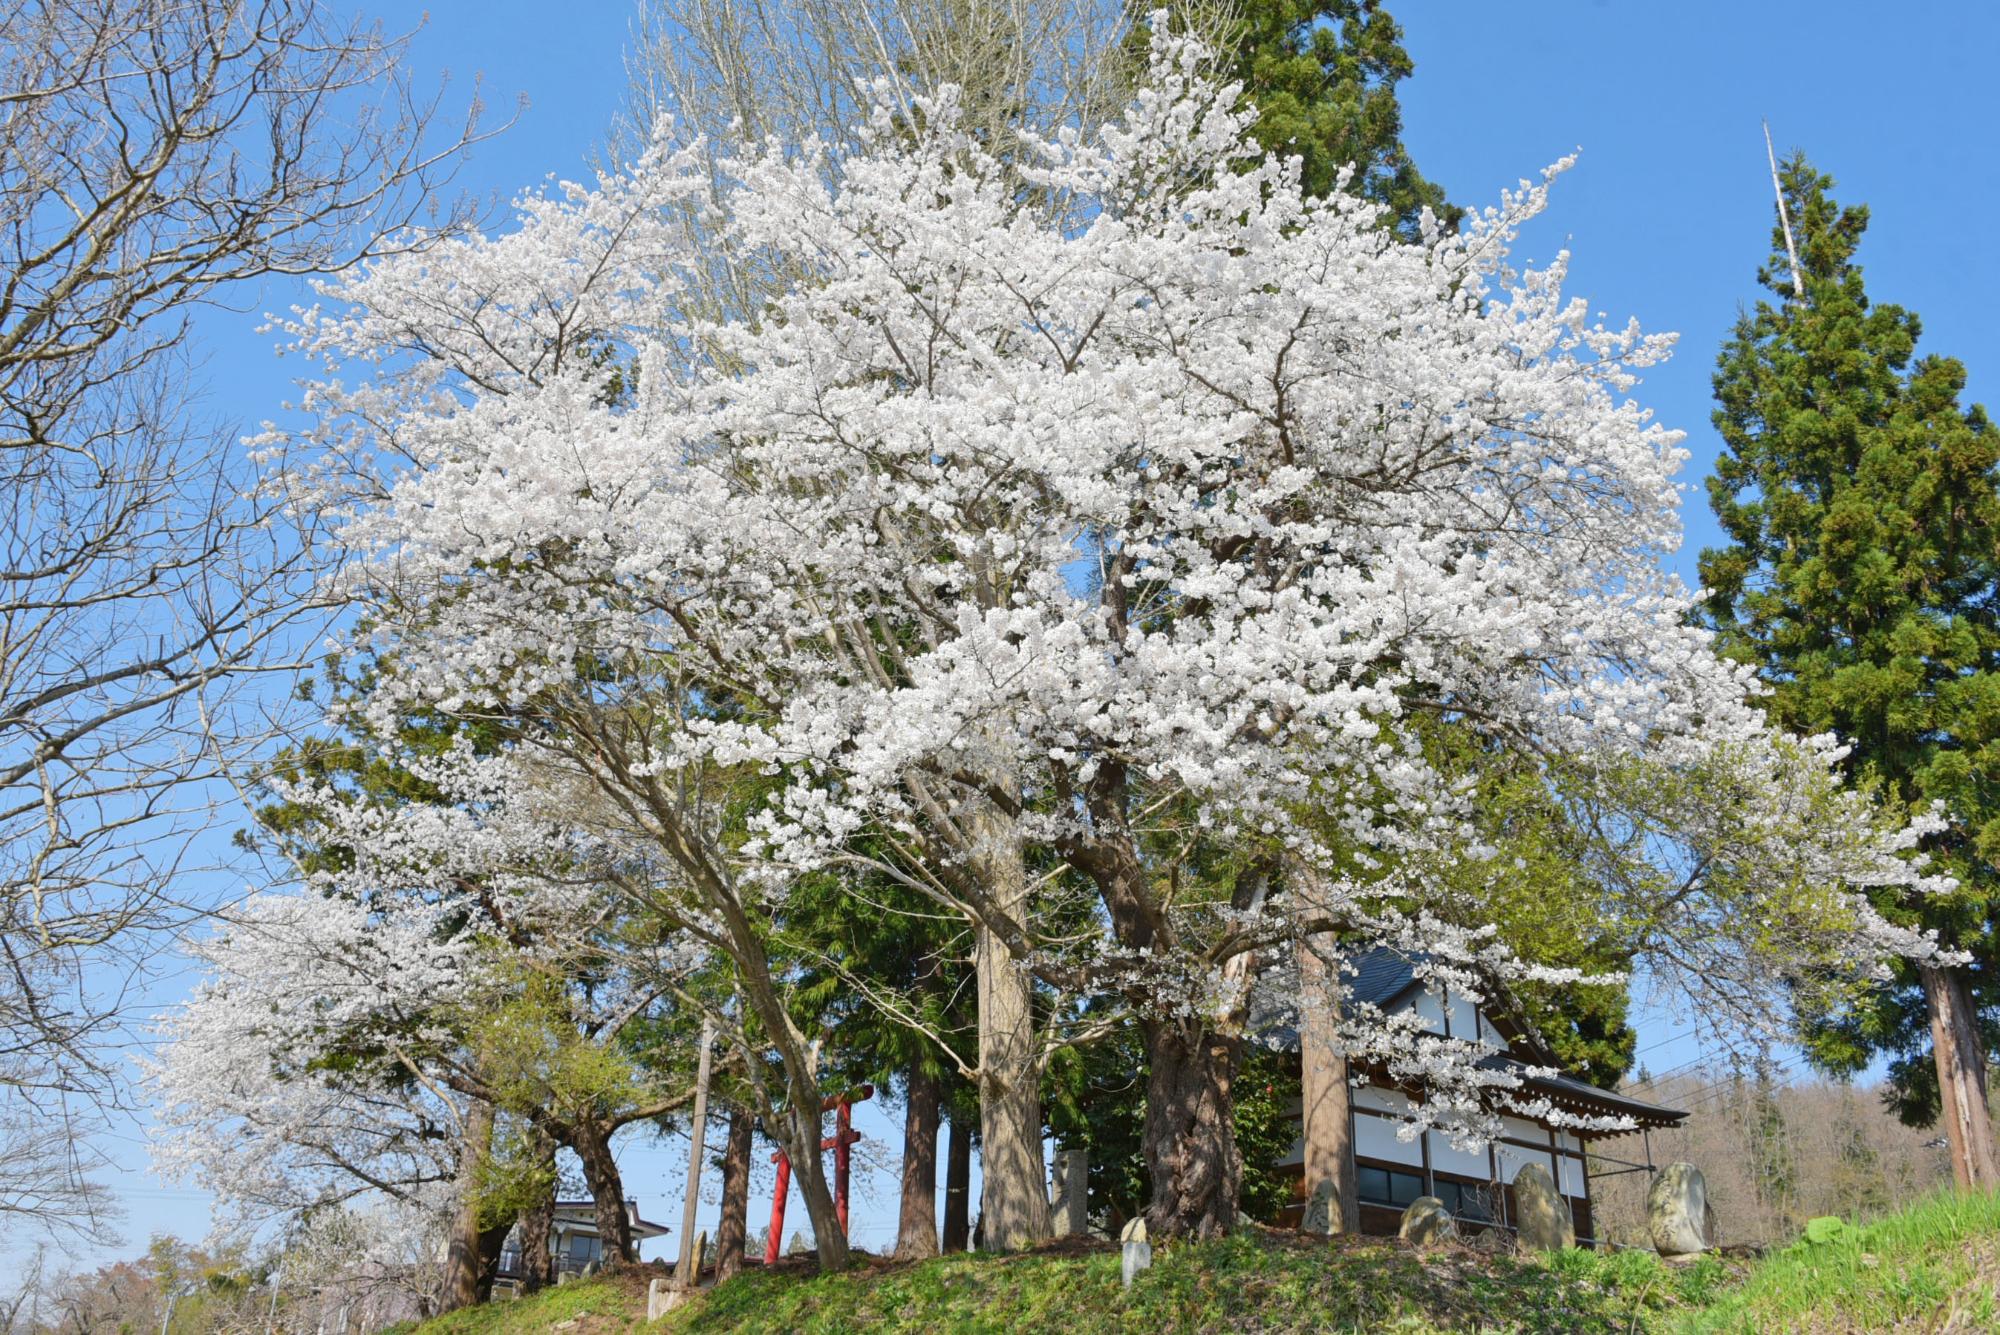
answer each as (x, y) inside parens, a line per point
(1323, 76)
(1859, 499)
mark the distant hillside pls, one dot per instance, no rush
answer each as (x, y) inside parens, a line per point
(1933, 1268)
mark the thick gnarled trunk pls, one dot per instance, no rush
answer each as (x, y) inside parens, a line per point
(592, 1144)
(1189, 1142)
(916, 1229)
(463, 1250)
(734, 1226)
(958, 1188)
(1961, 1070)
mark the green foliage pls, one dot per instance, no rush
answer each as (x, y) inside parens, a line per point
(1539, 891)
(1266, 1090)
(1323, 76)
(1094, 1096)
(885, 970)
(1859, 498)
(1824, 1229)
(1096, 1101)
(532, 1054)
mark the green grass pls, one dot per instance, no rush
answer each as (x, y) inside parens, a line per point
(1935, 1266)
(1251, 1282)
(602, 1304)
(1935, 1263)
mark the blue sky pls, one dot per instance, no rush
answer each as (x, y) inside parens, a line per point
(1666, 213)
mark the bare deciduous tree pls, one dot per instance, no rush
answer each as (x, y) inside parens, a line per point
(157, 157)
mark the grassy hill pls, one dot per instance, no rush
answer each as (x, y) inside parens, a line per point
(1933, 1268)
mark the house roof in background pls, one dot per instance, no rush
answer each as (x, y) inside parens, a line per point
(1579, 1096)
(1381, 976)
(641, 1228)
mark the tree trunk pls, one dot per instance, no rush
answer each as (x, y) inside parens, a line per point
(1961, 1069)
(801, 1129)
(461, 1261)
(734, 1226)
(491, 1239)
(1013, 1195)
(1190, 1134)
(538, 1266)
(538, 1263)
(592, 1143)
(1328, 1124)
(808, 1128)
(916, 1230)
(958, 1188)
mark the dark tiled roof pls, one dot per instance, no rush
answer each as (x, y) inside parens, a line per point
(1382, 975)
(1568, 1090)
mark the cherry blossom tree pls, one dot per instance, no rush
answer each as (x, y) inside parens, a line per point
(1121, 514)
(449, 969)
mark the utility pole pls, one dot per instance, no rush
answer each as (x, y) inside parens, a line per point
(277, 1278)
(689, 1272)
(1784, 217)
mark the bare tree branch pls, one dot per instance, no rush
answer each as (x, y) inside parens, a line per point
(156, 157)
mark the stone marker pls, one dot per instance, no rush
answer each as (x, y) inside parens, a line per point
(1070, 1200)
(1541, 1215)
(663, 1297)
(1138, 1252)
(1678, 1219)
(1319, 1210)
(1427, 1222)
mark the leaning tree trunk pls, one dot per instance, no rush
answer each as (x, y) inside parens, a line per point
(801, 1129)
(1961, 1070)
(462, 1250)
(734, 1226)
(916, 1229)
(958, 1188)
(592, 1143)
(537, 1218)
(1326, 1115)
(1189, 1141)
(1013, 1195)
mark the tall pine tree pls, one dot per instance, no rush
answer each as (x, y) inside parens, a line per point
(1859, 498)
(1323, 76)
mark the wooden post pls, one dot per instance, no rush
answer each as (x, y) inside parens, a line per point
(688, 1273)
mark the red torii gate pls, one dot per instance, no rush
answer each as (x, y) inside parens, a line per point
(844, 1135)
